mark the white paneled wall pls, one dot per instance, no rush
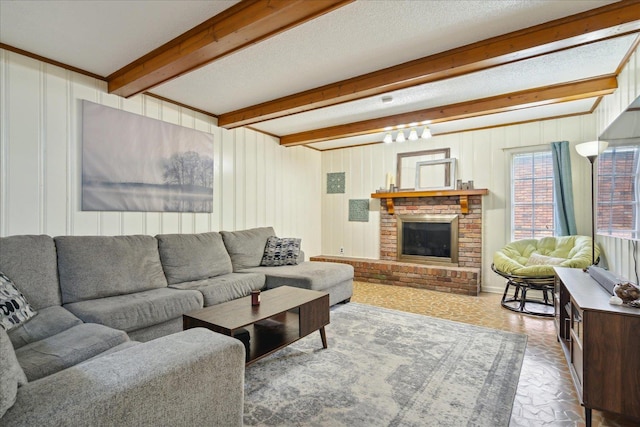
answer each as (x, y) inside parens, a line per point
(482, 157)
(619, 253)
(257, 182)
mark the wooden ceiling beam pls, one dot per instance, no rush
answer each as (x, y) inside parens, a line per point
(242, 25)
(565, 92)
(594, 25)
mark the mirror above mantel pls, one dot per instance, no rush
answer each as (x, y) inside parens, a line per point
(438, 176)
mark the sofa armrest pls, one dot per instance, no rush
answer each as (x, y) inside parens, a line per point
(194, 377)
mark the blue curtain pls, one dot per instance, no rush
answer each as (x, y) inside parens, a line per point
(564, 212)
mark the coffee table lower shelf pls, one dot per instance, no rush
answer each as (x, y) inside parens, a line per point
(285, 315)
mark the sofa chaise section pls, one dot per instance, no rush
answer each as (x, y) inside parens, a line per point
(43, 344)
(334, 278)
(195, 377)
(119, 282)
(246, 249)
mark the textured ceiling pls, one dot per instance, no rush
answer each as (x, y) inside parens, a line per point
(101, 37)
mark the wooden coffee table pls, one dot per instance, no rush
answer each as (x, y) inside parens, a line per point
(284, 315)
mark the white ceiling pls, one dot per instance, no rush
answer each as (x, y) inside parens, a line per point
(103, 36)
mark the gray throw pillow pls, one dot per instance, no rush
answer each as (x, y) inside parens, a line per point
(14, 308)
(281, 251)
(11, 374)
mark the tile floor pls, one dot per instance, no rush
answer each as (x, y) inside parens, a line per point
(545, 395)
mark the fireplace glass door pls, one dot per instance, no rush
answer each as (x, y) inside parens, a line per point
(429, 239)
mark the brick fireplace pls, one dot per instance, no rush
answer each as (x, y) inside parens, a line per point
(469, 225)
(463, 278)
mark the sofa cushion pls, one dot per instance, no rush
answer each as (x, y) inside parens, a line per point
(99, 266)
(68, 348)
(317, 276)
(15, 310)
(158, 330)
(11, 374)
(115, 349)
(246, 247)
(137, 310)
(188, 257)
(225, 288)
(30, 262)
(281, 251)
(49, 321)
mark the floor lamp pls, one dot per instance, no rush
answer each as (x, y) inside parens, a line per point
(591, 150)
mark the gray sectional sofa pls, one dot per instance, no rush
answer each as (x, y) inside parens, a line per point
(107, 347)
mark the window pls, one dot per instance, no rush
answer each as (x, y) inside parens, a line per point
(618, 192)
(532, 195)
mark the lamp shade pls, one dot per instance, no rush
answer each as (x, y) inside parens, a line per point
(591, 148)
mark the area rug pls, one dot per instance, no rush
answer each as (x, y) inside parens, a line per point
(388, 368)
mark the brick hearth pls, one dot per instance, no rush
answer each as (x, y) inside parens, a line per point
(463, 279)
(455, 280)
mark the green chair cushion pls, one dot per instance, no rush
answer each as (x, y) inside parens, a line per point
(513, 259)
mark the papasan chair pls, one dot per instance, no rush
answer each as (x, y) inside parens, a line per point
(528, 265)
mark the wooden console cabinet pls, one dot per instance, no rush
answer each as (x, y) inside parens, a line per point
(601, 343)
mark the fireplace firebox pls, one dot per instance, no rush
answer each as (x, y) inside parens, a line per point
(428, 239)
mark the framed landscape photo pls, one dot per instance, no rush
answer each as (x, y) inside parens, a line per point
(135, 163)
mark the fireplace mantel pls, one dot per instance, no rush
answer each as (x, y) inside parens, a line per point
(462, 194)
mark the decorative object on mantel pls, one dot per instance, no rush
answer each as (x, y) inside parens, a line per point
(335, 182)
(359, 210)
(462, 194)
(464, 185)
(390, 182)
(435, 174)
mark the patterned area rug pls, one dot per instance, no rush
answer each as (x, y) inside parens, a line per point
(388, 368)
